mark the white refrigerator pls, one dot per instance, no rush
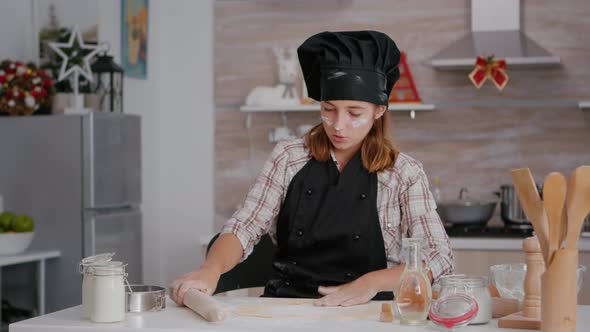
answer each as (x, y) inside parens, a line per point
(79, 177)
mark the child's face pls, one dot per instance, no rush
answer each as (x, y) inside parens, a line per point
(347, 122)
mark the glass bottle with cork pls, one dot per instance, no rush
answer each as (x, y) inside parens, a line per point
(414, 293)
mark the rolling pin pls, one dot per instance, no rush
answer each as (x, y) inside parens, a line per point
(204, 305)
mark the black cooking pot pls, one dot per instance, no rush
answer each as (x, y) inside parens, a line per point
(465, 211)
(511, 210)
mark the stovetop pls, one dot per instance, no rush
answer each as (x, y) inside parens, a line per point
(488, 231)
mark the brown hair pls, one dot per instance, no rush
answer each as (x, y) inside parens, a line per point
(377, 151)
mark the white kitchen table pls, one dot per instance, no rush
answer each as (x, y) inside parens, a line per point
(175, 318)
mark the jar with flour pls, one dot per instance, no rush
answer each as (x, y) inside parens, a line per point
(88, 281)
(476, 287)
(108, 295)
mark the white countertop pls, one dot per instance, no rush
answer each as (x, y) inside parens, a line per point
(499, 244)
(175, 318)
(473, 243)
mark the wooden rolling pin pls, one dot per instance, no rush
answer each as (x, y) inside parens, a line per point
(204, 305)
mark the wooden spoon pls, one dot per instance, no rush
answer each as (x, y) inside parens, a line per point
(533, 206)
(554, 191)
(577, 204)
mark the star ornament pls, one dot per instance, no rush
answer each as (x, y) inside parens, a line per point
(75, 44)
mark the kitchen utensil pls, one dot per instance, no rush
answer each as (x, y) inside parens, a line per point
(586, 227)
(558, 292)
(15, 243)
(466, 211)
(510, 208)
(530, 316)
(453, 310)
(108, 293)
(414, 292)
(577, 204)
(204, 305)
(508, 279)
(475, 287)
(554, 190)
(532, 205)
(459, 214)
(142, 298)
(88, 280)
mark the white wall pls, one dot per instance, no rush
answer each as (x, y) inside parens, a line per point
(176, 105)
(16, 31)
(69, 13)
(22, 19)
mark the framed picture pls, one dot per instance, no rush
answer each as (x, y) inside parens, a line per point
(134, 37)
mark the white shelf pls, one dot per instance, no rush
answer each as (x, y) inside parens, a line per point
(316, 107)
(28, 256)
(397, 107)
(584, 104)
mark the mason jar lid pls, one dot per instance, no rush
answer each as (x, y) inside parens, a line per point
(113, 268)
(106, 257)
(453, 310)
(96, 259)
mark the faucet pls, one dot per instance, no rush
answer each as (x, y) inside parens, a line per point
(462, 193)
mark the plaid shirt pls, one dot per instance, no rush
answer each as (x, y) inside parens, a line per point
(404, 204)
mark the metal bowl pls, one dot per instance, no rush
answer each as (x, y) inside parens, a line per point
(145, 298)
(459, 213)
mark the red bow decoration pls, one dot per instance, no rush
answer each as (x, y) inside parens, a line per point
(489, 67)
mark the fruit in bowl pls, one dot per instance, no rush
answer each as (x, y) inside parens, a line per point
(509, 279)
(22, 223)
(6, 220)
(16, 233)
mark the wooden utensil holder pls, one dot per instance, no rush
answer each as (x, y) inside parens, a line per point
(559, 292)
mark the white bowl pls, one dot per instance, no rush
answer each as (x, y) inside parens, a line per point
(15, 243)
(509, 279)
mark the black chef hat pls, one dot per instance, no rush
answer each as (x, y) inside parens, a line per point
(349, 65)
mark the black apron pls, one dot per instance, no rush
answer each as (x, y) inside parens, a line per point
(328, 230)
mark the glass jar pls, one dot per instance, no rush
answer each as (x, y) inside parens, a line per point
(414, 293)
(453, 311)
(476, 287)
(87, 280)
(108, 295)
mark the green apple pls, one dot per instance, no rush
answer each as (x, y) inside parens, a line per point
(22, 223)
(6, 220)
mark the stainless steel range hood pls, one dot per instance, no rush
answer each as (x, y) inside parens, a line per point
(495, 29)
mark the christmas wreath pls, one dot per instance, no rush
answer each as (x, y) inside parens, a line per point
(24, 89)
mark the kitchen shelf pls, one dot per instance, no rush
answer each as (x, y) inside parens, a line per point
(397, 107)
(40, 257)
(316, 107)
